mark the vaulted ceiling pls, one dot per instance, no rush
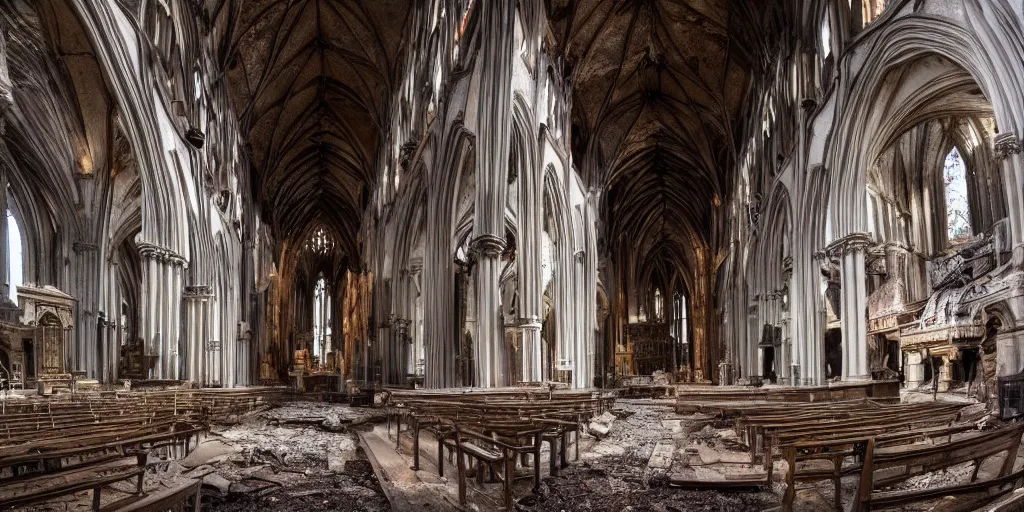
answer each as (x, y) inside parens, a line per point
(658, 88)
(311, 82)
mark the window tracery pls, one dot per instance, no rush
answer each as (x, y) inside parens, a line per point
(320, 242)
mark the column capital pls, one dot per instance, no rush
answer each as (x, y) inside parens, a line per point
(488, 245)
(161, 254)
(1005, 144)
(531, 322)
(848, 243)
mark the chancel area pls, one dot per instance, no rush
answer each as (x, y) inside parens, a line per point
(520, 255)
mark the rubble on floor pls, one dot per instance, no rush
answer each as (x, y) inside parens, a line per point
(632, 466)
(299, 456)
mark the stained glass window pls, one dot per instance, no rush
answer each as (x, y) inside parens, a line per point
(958, 219)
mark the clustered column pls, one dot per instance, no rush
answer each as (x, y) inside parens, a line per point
(161, 310)
(1008, 153)
(201, 367)
(494, 123)
(850, 251)
(489, 355)
(528, 258)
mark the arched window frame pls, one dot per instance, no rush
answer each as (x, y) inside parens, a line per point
(954, 181)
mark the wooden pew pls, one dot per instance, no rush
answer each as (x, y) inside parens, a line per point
(879, 462)
(494, 428)
(174, 498)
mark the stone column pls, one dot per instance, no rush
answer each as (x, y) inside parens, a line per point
(6, 101)
(417, 355)
(489, 354)
(945, 374)
(850, 251)
(494, 127)
(161, 308)
(5, 262)
(195, 298)
(115, 329)
(528, 258)
(403, 341)
(913, 370)
(1006, 149)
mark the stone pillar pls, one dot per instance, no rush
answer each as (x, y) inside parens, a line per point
(945, 374)
(850, 251)
(115, 329)
(5, 262)
(532, 350)
(489, 354)
(494, 130)
(417, 356)
(528, 259)
(161, 310)
(1006, 149)
(195, 298)
(913, 370)
(402, 342)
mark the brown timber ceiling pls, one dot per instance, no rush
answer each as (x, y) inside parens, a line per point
(311, 82)
(658, 88)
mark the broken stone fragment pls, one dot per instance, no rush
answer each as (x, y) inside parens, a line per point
(206, 452)
(223, 485)
(339, 452)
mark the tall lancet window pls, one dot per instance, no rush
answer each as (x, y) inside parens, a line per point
(15, 273)
(321, 320)
(958, 216)
(659, 313)
(678, 328)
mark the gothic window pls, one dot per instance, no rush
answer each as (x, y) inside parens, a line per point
(15, 275)
(678, 328)
(124, 323)
(958, 220)
(658, 306)
(320, 242)
(321, 320)
(547, 254)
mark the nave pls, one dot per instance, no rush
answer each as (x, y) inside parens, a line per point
(565, 254)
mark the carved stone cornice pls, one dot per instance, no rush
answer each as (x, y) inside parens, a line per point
(161, 254)
(198, 291)
(848, 243)
(1005, 144)
(488, 245)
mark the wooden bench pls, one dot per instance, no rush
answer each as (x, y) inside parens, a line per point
(495, 429)
(174, 498)
(89, 477)
(827, 459)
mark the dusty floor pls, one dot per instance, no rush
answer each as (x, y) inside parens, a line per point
(301, 456)
(623, 472)
(306, 456)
